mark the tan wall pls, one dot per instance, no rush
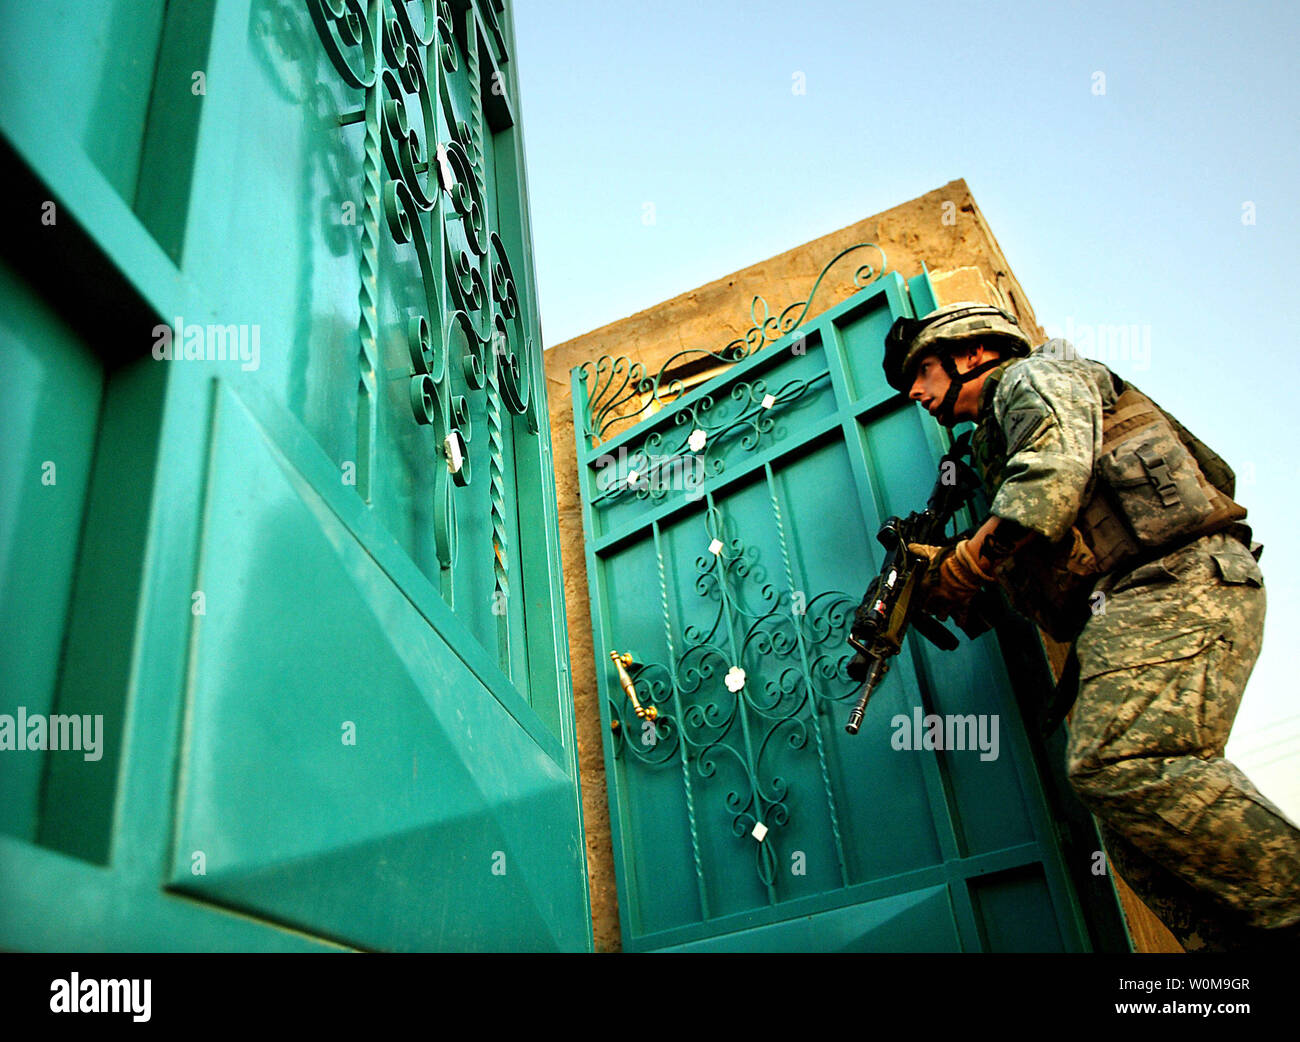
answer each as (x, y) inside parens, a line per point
(945, 230)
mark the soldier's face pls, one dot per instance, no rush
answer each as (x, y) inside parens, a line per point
(932, 383)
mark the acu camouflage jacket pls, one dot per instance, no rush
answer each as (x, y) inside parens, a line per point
(1107, 478)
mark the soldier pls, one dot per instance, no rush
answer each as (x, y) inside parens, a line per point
(1114, 529)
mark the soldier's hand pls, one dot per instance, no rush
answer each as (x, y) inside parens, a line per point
(952, 577)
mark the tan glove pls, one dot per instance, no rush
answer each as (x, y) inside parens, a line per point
(952, 578)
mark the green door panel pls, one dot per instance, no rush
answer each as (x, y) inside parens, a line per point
(275, 321)
(368, 758)
(87, 65)
(50, 405)
(919, 920)
(57, 903)
(729, 538)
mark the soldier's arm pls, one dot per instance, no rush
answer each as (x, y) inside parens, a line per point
(1051, 417)
(996, 540)
(956, 573)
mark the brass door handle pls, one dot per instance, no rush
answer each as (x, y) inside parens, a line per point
(621, 662)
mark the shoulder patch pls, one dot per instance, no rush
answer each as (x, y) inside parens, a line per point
(1020, 425)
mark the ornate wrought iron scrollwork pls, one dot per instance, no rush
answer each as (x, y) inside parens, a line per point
(424, 182)
(614, 384)
(344, 25)
(682, 459)
(747, 682)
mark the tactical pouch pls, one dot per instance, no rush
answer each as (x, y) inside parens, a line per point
(1155, 485)
(1154, 480)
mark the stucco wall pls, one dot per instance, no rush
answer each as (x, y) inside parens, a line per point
(943, 229)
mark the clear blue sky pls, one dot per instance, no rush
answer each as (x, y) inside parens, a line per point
(1123, 207)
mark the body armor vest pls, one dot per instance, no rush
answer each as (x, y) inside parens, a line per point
(1154, 487)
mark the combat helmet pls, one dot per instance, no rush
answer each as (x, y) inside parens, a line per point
(911, 339)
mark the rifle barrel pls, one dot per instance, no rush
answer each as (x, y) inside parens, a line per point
(875, 673)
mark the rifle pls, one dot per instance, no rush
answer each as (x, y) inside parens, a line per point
(890, 604)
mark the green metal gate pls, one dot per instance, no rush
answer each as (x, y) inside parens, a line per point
(279, 524)
(729, 537)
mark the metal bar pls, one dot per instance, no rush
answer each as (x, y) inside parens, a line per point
(496, 470)
(808, 680)
(368, 356)
(681, 742)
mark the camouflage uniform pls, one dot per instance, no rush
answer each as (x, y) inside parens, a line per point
(1164, 654)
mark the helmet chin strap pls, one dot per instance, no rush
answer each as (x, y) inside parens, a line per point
(956, 380)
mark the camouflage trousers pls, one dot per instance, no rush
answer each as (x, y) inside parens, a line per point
(1163, 666)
